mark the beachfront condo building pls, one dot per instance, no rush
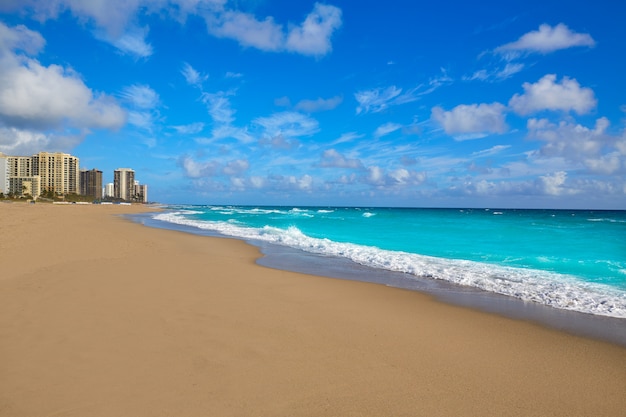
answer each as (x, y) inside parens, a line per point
(141, 192)
(124, 184)
(59, 172)
(17, 176)
(109, 190)
(91, 183)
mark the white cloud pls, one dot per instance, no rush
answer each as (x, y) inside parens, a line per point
(247, 30)
(33, 96)
(333, 159)
(194, 169)
(386, 129)
(593, 149)
(313, 36)
(346, 137)
(143, 101)
(491, 151)
(287, 124)
(547, 39)
(190, 129)
(497, 74)
(548, 94)
(133, 42)
(236, 167)
(379, 99)
(218, 105)
(471, 119)
(140, 96)
(320, 104)
(114, 22)
(378, 177)
(554, 184)
(20, 38)
(15, 141)
(192, 76)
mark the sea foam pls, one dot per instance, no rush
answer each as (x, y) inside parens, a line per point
(548, 288)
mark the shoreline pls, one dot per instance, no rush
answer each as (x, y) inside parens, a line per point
(610, 329)
(103, 316)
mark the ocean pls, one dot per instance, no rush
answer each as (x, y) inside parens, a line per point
(565, 259)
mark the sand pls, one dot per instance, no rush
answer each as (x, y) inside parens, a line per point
(100, 316)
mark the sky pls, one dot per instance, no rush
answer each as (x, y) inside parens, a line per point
(338, 103)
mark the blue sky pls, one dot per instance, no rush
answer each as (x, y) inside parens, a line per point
(356, 103)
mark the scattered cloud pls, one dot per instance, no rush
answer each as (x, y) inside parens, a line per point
(379, 99)
(497, 74)
(236, 167)
(491, 151)
(548, 94)
(379, 177)
(346, 138)
(386, 129)
(282, 101)
(20, 38)
(143, 102)
(219, 108)
(313, 36)
(288, 124)
(264, 34)
(114, 22)
(320, 104)
(194, 169)
(547, 39)
(192, 76)
(190, 129)
(471, 119)
(592, 148)
(554, 184)
(35, 97)
(140, 96)
(333, 159)
(133, 43)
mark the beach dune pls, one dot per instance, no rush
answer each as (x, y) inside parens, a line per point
(100, 316)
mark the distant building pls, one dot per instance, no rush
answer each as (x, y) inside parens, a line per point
(124, 184)
(25, 186)
(109, 190)
(17, 176)
(91, 183)
(141, 192)
(59, 172)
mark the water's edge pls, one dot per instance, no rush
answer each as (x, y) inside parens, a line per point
(603, 328)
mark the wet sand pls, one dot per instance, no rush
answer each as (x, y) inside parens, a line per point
(100, 316)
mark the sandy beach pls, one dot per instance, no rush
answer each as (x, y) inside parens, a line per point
(100, 316)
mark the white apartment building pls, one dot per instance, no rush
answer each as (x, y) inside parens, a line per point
(109, 190)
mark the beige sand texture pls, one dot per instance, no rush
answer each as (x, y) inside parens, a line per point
(103, 317)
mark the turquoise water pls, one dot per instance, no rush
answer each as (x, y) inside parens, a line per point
(574, 260)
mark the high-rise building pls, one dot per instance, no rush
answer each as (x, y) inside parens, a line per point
(59, 172)
(124, 184)
(109, 190)
(141, 192)
(17, 176)
(91, 183)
